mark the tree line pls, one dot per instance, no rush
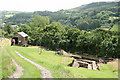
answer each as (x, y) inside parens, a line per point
(86, 17)
(76, 30)
(54, 36)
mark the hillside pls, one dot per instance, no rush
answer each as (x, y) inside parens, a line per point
(90, 16)
(7, 14)
(93, 6)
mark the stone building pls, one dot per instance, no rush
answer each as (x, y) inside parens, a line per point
(80, 62)
(20, 38)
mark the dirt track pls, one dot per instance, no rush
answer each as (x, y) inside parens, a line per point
(19, 70)
(45, 73)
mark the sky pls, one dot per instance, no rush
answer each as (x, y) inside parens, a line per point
(43, 5)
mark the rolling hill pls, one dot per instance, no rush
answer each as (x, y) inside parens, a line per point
(89, 16)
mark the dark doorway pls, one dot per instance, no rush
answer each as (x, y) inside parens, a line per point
(16, 40)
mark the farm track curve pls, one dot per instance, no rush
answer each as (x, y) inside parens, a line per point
(45, 73)
(19, 70)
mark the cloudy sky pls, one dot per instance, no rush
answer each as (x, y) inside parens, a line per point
(42, 5)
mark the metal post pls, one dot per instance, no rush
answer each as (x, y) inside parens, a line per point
(39, 51)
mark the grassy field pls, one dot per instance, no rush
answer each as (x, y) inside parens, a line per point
(56, 64)
(53, 63)
(30, 71)
(48, 60)
(115, 28)
(7, 66)
(8, 16)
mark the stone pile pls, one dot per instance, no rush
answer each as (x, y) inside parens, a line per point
(84, 63)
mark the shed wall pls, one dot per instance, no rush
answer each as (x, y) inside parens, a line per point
(22, 39)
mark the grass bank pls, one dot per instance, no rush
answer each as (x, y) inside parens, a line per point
(0, 61)
(7, 66)
(30, 71)
(48, 60)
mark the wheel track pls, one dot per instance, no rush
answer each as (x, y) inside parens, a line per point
(45, 73)
(19, 70)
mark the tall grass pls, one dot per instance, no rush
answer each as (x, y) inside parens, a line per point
(0, 62)
(8, 67)
(114, 66)
(30, 71)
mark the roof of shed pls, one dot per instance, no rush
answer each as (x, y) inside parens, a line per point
(22, 34)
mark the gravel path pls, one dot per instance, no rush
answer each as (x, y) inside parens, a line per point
(19, 69)
(45, 73)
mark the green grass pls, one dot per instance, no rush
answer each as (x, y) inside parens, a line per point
(0, 61)
(0, 31)
(115, 28)
(7, 66)
(53, 63)
(30, 71)
(48, 60)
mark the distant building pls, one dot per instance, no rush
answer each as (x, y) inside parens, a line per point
(106, 28)
(2, 24)
(14, 26)
(20, 38)
(89, 31)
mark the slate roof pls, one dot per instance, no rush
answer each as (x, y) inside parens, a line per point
(22, 34)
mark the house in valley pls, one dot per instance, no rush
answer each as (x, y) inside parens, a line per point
(14, 27)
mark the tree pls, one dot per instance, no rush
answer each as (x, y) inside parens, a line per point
(59, 25)
(25, 28)
(72, 35)
(108, 48)
(51, 37)
(8, 29)
(40, 21)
